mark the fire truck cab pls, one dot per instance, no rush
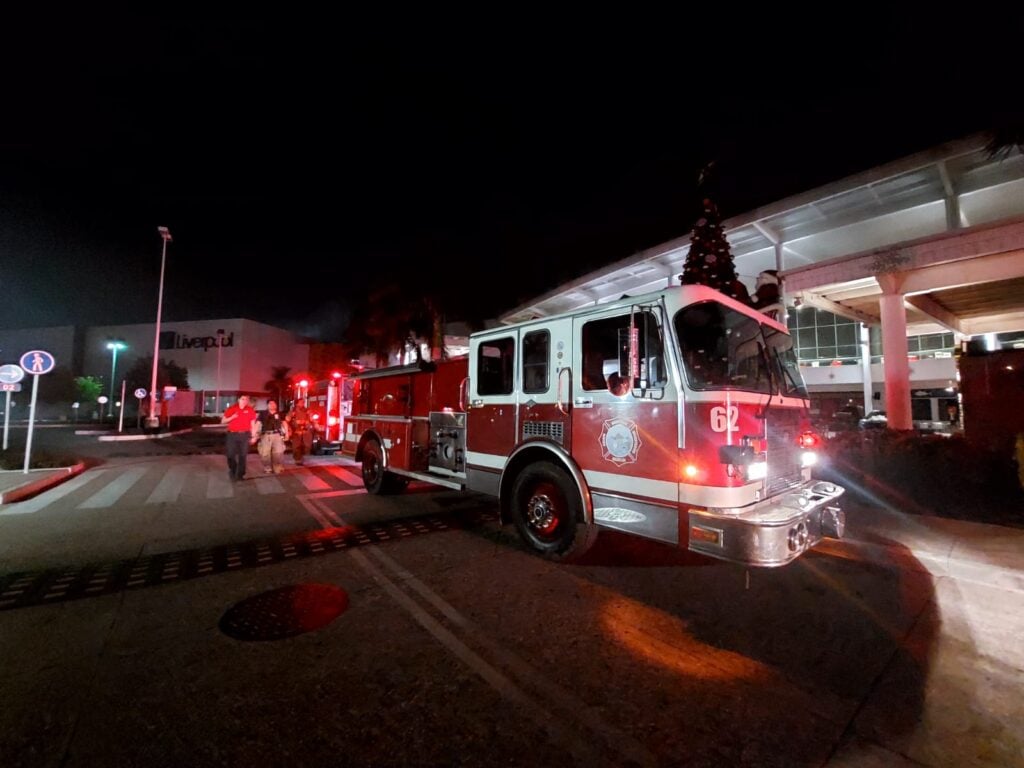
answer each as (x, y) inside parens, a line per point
(679, 416)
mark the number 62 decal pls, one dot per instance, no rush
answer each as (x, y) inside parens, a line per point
(724, 418)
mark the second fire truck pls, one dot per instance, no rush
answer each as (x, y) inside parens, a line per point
(679, 416)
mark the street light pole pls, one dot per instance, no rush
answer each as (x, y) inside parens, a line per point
(153, 421)
(220, 344)
(114, 346)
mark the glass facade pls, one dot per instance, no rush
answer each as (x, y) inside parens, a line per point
(823, 338)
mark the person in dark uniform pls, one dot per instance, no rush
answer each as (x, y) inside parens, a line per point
(272, 430)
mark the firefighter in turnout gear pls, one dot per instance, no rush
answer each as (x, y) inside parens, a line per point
(272, 430)
(301, 426)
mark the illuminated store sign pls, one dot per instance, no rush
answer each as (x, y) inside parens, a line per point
(174, 340)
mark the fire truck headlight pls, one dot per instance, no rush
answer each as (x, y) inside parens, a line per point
(808, 459)
(757, 471)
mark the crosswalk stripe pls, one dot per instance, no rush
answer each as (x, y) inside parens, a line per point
(178, 478)
(349, 478)
(169, 487)
(268, 485)
(48, 497)
(219, 486)
(114, 490)
(312, 482)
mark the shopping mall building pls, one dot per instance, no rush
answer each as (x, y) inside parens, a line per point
(223, 357)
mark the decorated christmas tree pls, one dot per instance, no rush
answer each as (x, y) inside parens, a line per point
(710, 261)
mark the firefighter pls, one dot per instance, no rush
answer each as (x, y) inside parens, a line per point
(272, 430)
(618, 384)
(301, 427)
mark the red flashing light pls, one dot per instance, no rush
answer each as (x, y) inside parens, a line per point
(336, 375)
(303, 383)
(808, 440)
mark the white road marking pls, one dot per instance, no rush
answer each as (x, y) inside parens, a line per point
(109, 495)
(269, 484)
(349, 478)
(46, 498)
(170, 485)
(312, 482)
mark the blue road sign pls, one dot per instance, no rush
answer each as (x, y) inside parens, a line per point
(11, 374)
(140, 393)
(37, 362)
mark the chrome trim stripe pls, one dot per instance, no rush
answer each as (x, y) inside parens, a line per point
(640, 486)
(489, 460)
(663, 490)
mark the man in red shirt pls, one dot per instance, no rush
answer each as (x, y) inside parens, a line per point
(239, 418)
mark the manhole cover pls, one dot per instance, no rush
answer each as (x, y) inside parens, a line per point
(284, 612)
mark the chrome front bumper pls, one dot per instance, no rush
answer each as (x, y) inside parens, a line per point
(772, 533)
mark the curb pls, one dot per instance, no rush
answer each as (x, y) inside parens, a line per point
(159, 436)
(34, 487)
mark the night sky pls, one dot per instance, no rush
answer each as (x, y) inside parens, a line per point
(436, 151)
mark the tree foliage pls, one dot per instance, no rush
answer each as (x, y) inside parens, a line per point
(279, 383)
(87, 389)
(392, 318)
(168, 373)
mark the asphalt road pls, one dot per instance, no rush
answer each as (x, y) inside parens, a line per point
(163, 616)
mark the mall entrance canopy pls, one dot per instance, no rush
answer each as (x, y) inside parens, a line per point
(928, 243)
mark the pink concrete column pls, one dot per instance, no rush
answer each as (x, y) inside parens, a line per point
(896, 367)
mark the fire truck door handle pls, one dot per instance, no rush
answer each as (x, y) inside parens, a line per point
(583, 402)
(463, 393)
(477, 404)
(565, 373)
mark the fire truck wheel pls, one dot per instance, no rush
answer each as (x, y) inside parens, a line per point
(376, 479)
(546, 508)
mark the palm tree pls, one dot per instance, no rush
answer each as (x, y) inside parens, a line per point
(279, 383)
(391, 319)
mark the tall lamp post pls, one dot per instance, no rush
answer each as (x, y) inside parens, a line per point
(153, 421)
(114, 346)
(220, 344)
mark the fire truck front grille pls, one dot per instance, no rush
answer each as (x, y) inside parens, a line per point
(549, 429)
(784, 466)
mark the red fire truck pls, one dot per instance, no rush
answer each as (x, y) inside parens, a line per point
(679, 416)
(329, 402)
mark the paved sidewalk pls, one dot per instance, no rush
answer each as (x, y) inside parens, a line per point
(976, 552)
(17, 485)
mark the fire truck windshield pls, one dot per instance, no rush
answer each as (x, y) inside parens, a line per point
(784, 364)
(726, 349)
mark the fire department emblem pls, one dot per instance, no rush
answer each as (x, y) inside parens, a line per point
(620, 441)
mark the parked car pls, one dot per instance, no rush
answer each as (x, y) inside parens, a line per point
(874, 420)
(845, 419)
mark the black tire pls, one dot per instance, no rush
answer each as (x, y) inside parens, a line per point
(548, 513)
(376, 479)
